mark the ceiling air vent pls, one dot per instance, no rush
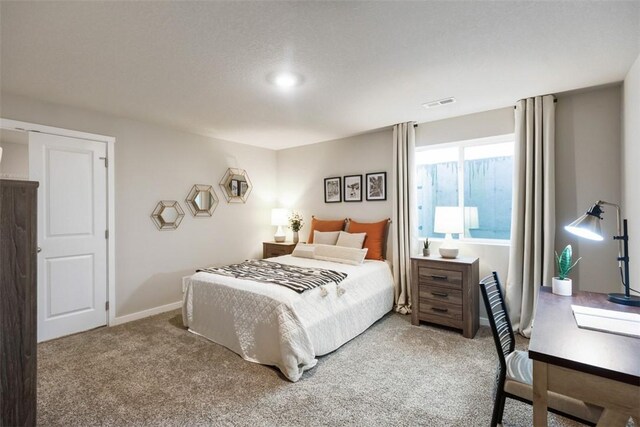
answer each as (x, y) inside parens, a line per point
(439, 102)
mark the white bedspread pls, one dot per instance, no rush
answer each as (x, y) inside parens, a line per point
(273, 325)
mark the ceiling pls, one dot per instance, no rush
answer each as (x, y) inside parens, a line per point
(203, 66)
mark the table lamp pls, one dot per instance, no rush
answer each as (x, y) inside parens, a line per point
(279, 218)
(448, 220)
(588, 226)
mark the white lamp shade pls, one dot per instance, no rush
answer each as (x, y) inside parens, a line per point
(587, 226)
(279, 216)
(448, 219)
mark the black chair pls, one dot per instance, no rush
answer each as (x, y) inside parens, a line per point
(515, 372)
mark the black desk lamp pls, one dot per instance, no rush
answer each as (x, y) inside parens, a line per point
(588, 226)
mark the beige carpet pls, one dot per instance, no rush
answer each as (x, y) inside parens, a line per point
(154, 372)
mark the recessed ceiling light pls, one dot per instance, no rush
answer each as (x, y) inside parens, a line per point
(286, 80)
(439, 102)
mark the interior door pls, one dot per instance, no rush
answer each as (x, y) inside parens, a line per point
(72, 224)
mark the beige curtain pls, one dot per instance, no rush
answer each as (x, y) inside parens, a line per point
(404, 217)
(531, 257)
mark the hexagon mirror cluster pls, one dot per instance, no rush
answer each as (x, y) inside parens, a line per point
(235, 185)
(167, 215)
(202, 200)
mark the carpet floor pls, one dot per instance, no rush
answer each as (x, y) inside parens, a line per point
(154, 372)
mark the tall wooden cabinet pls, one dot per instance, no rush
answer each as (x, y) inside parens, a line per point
(18, 314)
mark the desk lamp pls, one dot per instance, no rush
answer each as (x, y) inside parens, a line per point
(588, 226)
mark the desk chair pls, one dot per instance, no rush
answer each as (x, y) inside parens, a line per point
(515, 374)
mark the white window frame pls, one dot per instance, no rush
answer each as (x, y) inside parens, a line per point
(461, 145)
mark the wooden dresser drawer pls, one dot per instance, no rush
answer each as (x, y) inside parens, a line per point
(271, 249)
(437, 294)
(446, 292)
(440, 309)
(278, 251)
(440, 277)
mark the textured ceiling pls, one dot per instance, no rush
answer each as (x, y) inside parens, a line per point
(203, 66)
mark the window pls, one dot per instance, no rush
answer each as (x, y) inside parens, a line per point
(475, 175)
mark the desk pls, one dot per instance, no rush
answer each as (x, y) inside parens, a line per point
(596, 367)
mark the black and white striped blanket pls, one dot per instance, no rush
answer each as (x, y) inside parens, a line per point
(296, 278)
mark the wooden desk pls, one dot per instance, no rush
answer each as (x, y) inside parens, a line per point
(597, 367)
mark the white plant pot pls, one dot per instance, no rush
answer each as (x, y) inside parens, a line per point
(561, 286)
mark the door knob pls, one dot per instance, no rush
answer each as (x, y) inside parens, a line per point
(39, 249)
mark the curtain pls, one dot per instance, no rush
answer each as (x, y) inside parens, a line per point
(404, 217)
(531, 256)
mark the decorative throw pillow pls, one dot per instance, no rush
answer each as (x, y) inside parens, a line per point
(304, 251)
(326, 237)
(325, 225)
(340, 254)
(376, 233)
(351, 240)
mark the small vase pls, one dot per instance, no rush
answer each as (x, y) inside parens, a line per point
(426, 252)
(295, 237)
(561, 286)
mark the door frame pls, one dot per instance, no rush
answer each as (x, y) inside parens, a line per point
(111, 213)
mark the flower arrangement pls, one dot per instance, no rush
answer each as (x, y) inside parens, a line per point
(563, 262)
(296, 221)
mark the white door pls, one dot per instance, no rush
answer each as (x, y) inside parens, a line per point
(72, 224)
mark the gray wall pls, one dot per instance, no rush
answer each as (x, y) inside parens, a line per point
(301, 173)
(631, 165)
(588, 166)
(153, 163)
(15, 155)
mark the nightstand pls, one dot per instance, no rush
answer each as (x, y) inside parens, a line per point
(445, 292)
(271, 249)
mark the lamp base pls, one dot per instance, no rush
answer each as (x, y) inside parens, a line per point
(625, 300)
(448, 252)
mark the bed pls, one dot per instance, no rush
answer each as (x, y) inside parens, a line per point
(273, 325)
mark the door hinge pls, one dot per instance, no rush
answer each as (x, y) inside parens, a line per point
(106, 234)
(106, 161)
(106, 306)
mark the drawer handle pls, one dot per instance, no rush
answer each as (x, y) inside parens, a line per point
(435, 276)
(440, 294)
(441, 310)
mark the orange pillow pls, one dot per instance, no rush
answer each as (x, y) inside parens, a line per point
(374, 241)
(325, 225)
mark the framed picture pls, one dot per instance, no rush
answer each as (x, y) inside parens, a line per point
(353, 188)
(235, 190)
(377, 186)
(332, 190)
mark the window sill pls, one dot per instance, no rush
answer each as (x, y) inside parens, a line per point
(472, 242)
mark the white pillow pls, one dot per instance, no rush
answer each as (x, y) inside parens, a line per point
(302, 250)
(325, 237)
(351, 240)
(340, 254)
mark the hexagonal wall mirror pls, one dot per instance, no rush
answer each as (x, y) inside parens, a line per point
(167, 215)
(235, 185)
(202, 200)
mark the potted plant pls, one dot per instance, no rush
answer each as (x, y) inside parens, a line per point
(562, 285)
(295, 224)
(425, 249)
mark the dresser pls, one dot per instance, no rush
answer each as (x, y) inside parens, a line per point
(271, 249)
(18, 314)
(445, 292)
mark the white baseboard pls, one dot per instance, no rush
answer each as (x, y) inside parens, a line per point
(484, 321)
(145, 313)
